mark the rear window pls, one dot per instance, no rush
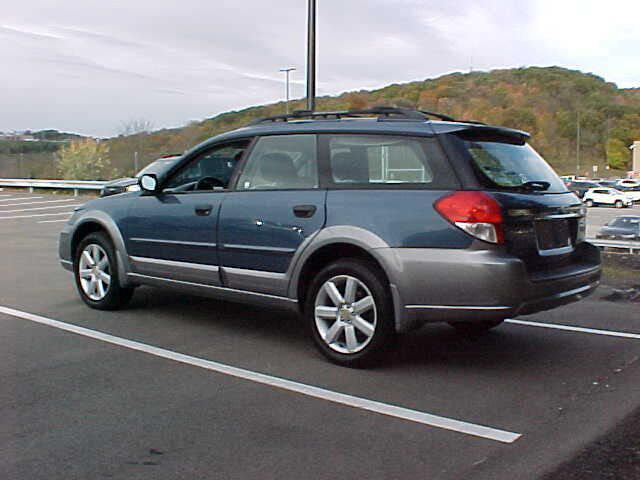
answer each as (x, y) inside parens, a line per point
(387, 160)
(510, 165)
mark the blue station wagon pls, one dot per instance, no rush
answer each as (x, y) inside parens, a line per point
(367, 223)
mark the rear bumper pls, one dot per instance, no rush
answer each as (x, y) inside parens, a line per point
(435, 285)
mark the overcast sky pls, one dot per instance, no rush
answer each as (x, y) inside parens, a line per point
(89, 65)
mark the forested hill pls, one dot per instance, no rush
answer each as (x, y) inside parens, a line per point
(542, 101)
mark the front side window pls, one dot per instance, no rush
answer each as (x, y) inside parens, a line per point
(159, 166)
(379, 159)
(211, 170)
(281, 162)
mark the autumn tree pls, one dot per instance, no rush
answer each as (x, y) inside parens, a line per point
(85, 159)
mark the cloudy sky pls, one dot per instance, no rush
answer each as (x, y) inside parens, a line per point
(88, 66)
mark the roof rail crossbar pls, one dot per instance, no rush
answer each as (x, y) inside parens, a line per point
(441, 116)
(381, 112)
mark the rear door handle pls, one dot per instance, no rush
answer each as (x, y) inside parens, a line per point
(304, 211)
(203, 210)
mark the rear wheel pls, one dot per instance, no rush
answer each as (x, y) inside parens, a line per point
(350, 312)
(589, 203)
(96, 274)
(619, 204)
(475, 328)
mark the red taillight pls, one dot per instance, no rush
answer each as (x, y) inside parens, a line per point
(477, 213)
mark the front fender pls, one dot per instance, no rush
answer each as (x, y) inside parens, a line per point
(111, 228)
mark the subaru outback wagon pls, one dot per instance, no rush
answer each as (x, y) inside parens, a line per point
(367, 223)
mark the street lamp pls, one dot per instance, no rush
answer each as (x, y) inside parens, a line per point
(311, 56)
(287, 71)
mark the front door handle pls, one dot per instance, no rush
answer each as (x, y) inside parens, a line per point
(304, 211)
(203, 210)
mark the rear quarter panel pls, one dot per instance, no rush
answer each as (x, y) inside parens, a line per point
(401, 218)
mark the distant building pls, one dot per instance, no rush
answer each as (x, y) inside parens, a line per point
(635, 168)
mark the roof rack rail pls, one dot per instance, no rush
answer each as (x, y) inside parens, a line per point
(381, 112)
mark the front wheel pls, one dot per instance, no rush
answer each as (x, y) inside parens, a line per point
(589, 203)
(619, 204)
(350, 312)
(96, 274)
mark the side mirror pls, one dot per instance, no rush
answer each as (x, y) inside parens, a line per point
(148, 182)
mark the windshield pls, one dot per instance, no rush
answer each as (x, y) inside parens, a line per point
(512, 165)
(159, 166)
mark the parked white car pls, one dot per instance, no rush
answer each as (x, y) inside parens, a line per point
(607, 196)
(633, 194)
(629, 183)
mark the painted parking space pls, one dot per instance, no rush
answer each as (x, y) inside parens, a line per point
(536, 379)
(41, 208)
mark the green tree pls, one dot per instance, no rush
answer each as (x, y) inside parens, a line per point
(86, 159)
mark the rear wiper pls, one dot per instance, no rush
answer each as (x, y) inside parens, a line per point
(535, 185)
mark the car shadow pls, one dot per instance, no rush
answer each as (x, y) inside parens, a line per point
(432, 345)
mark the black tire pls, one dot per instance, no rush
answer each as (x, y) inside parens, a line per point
(475, 328)
(116, 296)
(589, 203)
(384, 332)
(619, 204)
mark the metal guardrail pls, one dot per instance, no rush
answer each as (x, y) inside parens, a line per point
(631, 246)
(75, 185)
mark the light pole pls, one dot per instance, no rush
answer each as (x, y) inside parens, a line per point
(287, 71)
(311, 56)
(578, 143)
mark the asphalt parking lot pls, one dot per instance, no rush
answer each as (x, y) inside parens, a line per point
(184, 387)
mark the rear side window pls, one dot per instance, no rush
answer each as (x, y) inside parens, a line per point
(281, 162)
(510, 165)
(387, 160)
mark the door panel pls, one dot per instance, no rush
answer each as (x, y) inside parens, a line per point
(167, 234)
(173, 234)
(261, 231)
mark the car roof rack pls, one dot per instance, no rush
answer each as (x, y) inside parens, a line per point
(383, 113)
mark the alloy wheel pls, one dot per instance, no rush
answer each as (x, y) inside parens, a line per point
(345, 314)
(94, 272)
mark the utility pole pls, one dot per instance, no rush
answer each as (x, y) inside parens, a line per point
(311, 56)
(578, 145)
(287, 71)
(135, 162)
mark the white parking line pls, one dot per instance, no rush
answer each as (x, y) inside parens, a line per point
(289, 385)
(569, 328)
(38, 215)
(37, 203)
(39, 208)
(12, 198)
(54, 221)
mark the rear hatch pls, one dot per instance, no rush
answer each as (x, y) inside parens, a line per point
(544, 223)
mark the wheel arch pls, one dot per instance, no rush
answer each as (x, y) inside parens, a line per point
(101, 222)
(342, 242)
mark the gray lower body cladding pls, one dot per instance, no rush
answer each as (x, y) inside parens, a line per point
(427, 285)
(434, 285)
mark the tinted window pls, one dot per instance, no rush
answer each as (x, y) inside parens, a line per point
(159, 166)
(507, 164)
(281, 162)
(210, 170)
(379, 159)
